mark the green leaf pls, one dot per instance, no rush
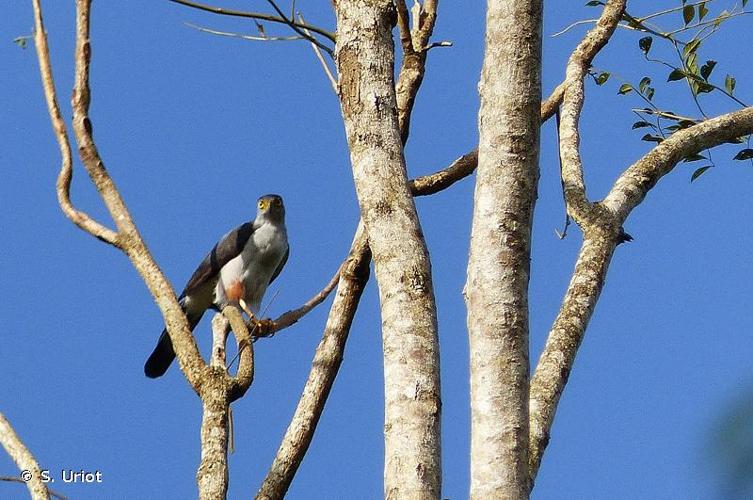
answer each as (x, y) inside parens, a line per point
(645, 44)
(686, 123)
(744, 154)
(650, 93)
(702, 11)
(707, 68)
(641, 124)
(691, 46)
(699, 172)
(688, 12)
(645, 81)
(652, 138)
(676, 74)
(729, 83)
(21, 41)
(602, 78)
(744, 2)
(691, 63)
(625, 88)
(703, 88)
(594, 3)
(694, 157)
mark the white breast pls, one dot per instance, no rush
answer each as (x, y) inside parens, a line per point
(255, 265)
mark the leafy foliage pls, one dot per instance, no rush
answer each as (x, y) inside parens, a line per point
(685, 66)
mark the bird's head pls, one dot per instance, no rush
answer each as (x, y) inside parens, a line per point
(271, 208)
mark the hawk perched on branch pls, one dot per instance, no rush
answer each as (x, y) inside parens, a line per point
(237, 272)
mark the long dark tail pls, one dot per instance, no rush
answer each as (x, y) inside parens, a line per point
(163, 355)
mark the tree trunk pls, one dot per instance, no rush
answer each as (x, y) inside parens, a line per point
(498, 266)
(365, 62)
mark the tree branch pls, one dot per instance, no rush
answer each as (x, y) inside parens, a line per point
(127, 237)
(403, 25)
(602, 232)
(322, 61)
(78, 217)
(413, 66)
(633, 185)
(245, 37)
(578, 65)
(245, 375)
(566, 335)
(212, 476)
(327, 359)
(24, 460)
(294, 26)
(256, 15)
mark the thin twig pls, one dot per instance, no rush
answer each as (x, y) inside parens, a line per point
(707, 23)
(318, 52)
(245, 37)
(253, 15)
(12, 479)
(295, 27)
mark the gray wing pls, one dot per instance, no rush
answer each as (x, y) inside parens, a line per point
(281, 265)
(229, 247)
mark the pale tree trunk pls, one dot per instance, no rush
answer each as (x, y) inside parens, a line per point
(499, 262)
(365, 62)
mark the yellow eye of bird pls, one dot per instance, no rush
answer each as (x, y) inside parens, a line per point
(262, 204)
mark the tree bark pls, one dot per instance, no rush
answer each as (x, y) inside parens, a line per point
(499, 262)
(31, 473)
(365, 62)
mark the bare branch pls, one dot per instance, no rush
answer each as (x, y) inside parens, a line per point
(413, 66)
(403, 24)
(131, 241)
(423, 24)
(220, 329)
(322, 61)
(438, 181)
(578, 205)
(553, 368)
(633, 185)
(245, 37)
(24, 460)
(293, 316)
(53, 493)
(255, 15)
(212, 476)
(324, 368)
(78, 217)
(550, 105)
(245, 375)
(602, 232)
(294, 26)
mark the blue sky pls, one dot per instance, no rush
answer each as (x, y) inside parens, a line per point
(194, 127)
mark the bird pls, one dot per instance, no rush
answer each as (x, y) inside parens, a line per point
(237, 271)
